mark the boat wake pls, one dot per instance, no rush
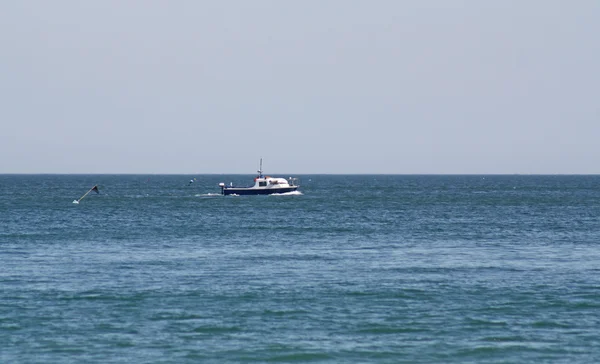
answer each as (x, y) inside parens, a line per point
(293, 193)
(206, 195)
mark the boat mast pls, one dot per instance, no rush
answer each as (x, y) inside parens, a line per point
(260, 169)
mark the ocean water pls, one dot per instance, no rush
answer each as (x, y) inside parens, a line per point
(357, 268)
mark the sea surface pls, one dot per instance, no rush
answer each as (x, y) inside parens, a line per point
(353, 269)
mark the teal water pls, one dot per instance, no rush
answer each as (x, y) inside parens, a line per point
(362, 268)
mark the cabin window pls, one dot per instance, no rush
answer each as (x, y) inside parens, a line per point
(262, 183)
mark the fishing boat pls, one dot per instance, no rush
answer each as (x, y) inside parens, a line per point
(263, 185)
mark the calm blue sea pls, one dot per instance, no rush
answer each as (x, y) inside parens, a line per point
(357, 268)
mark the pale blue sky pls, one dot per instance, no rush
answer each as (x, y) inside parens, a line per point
(341, 86)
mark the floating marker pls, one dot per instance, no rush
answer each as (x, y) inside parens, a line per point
(95, 188)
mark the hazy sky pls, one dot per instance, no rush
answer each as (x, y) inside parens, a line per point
(444, 86)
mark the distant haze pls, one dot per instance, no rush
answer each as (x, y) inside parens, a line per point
(310, 86)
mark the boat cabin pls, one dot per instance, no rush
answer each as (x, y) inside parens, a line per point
(270, 182)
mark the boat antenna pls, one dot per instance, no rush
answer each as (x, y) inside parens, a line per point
(260, 169)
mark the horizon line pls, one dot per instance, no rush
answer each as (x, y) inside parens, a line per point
(298, 174)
